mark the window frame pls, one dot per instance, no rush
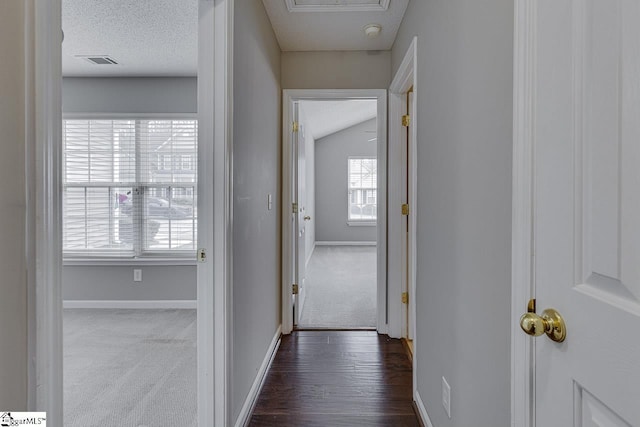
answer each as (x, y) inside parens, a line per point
(138, 256)
(360, 222)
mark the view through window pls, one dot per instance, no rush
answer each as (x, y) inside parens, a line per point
(363, 183)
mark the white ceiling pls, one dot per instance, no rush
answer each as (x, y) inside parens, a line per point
(327, 117)
(305, 31)
(145, 37)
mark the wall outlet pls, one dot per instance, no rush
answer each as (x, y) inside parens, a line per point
(446, 397)
(137, 275)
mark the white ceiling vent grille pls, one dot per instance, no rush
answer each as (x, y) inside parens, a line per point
(337, 5)
(98, 59)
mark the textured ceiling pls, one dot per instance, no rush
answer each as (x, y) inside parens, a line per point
(304, 31)
(327, 117)
(145, 37)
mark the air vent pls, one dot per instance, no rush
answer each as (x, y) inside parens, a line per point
(98, 59)
(337, 5)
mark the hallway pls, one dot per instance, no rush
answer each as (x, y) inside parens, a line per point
(337, 378)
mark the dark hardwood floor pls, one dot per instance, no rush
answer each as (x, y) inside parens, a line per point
(337, 378)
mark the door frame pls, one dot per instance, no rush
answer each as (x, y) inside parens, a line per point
(43, 124)
(405, 78)
(289, 96)
(523, 221)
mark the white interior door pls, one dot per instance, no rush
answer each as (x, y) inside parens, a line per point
(300, 221)
(586, 213)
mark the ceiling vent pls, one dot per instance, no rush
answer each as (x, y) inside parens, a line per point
(337, 5)
(98, 59)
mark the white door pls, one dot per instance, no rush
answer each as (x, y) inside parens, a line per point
(300, 218)
(586, 163)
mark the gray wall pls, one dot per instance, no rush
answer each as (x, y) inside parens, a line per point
(256, 166)
(13, 278)
(465, 62)
(336, 70)
(310, 185)
(332, 153)
(123, 95)
(129, 94)
(159, 282)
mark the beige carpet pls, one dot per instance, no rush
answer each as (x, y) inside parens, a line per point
(340, 288)
(129, 368)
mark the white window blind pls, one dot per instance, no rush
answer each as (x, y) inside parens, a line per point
(363, 183)
(129, 187)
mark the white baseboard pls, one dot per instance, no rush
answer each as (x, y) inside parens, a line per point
(422, 411)
(130, 304)
(252, 397)
(344, 243)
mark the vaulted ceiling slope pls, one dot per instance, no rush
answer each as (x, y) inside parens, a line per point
(144, 37)
(309, 27)
(328, 117)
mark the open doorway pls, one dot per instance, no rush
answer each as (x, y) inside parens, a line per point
(129, 212)
(337, 196)
(334, 193)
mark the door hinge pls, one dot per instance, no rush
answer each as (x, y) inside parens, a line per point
(294, 207)
(405, 297)
(406, 120)
(405, 209)
(202, 255)
(295, 127)
(295, 289)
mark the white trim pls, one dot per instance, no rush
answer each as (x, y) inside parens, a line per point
(215, 112)
(362, 224)
(405, 78)
(44, 113)
(130, 116)
(346, 243)
(422, 410)
(254, 392)
(288, 98)
(138, 262)
(132, 304)
(522, 362)
(382, 6)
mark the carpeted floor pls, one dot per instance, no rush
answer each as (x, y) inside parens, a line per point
(340, 288)
(129, 368)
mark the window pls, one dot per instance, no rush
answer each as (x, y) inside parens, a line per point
(363, 196)
(129, 187)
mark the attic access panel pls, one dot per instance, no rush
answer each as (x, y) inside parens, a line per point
(337, 5)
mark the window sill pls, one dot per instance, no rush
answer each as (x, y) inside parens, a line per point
(362, 223)
(149, 261)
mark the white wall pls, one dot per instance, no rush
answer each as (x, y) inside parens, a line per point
(336, 70)
(332, 153)
(464, 119)
(256, 173)
(125, 95)
(310, 183)
(13, 279)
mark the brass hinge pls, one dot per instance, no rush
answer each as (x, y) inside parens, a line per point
(405, 209)
(295, 289)
(406, 120)
(296, 126)
(405, 297)
(294, 207)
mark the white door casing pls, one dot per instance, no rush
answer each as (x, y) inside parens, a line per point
(577, 139)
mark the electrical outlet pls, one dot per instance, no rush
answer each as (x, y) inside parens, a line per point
(137, 275)
(446, 397)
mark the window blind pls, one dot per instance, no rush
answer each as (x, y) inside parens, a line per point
(129, 187)
(363, 182)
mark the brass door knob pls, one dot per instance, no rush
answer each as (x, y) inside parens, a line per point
(550, 323)
(307, 218)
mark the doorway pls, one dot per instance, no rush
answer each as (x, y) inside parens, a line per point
(334, 209)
